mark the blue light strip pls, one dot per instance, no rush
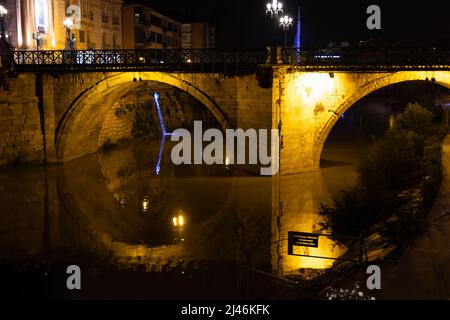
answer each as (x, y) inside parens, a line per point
(156, 97)
(161, 149)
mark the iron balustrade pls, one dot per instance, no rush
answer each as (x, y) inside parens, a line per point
(206, 60)
(367, 58)
(149, 59)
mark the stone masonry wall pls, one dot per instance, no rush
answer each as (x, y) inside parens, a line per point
(178, 108)
(116, 128)
(21, 138)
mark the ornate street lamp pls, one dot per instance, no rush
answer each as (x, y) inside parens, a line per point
(286, 23)
(274, 9)
(68, 23)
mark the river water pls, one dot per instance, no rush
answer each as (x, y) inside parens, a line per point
(139, 226)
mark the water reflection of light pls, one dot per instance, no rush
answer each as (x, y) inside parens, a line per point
(178, 221)
(145, 204)
(161, 150)
(391, 121)
(123, 202)
(121, 198)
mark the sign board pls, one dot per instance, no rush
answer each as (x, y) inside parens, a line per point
(302, 239)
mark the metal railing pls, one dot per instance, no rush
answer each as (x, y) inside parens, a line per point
(146, 59)
(367, 58)
(207, 60)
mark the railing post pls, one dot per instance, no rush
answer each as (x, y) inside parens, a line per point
(280, 55)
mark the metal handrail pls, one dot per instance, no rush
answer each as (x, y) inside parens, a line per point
(161, 58)
(367, 58)
(347, 58)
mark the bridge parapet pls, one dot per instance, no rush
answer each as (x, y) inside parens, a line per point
(190, 60)
(241, 62)
(367, 58)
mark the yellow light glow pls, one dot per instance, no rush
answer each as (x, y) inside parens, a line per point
(19, 40)
(178, 221)
(145, 204)
(28, 39)
(53, 41)
(68, 23)
(315, 85)
(391, 121)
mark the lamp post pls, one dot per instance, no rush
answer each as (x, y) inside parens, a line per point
(37, 37)
(68, 23)
(3, 13)
(274, 9)
(286, 24)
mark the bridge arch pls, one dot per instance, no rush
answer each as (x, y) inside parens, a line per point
(78, 130)
(375, 82)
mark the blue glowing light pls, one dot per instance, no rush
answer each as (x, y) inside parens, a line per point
(156, 97)
(161, 150)
(298, 35)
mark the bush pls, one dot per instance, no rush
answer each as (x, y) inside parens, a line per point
(407, 158)
(404, 225)
(417, 119)
(393, 163)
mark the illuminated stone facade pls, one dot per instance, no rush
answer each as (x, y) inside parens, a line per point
(306, 105)
(97, 24)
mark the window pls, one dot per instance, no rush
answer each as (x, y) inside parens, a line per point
(156, 21)
(82, 36)
(105, 15)
(152, 37)
(186, 28)
(84, 4)
(88, 40)
(159, 38)
(139, 35)
(139, 16)
(41, 11)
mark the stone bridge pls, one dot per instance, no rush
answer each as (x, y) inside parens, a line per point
(57, 117)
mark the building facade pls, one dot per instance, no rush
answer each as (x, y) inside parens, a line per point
(198, 35)
(145, 28)
(95, 24)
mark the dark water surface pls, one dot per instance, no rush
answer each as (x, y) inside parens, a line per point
(140, 232)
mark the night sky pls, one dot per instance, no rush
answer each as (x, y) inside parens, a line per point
(243, 24)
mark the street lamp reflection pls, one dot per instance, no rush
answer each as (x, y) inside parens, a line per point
(178, 221)
(145, 204)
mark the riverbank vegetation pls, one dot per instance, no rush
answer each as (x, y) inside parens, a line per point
(397, 181)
